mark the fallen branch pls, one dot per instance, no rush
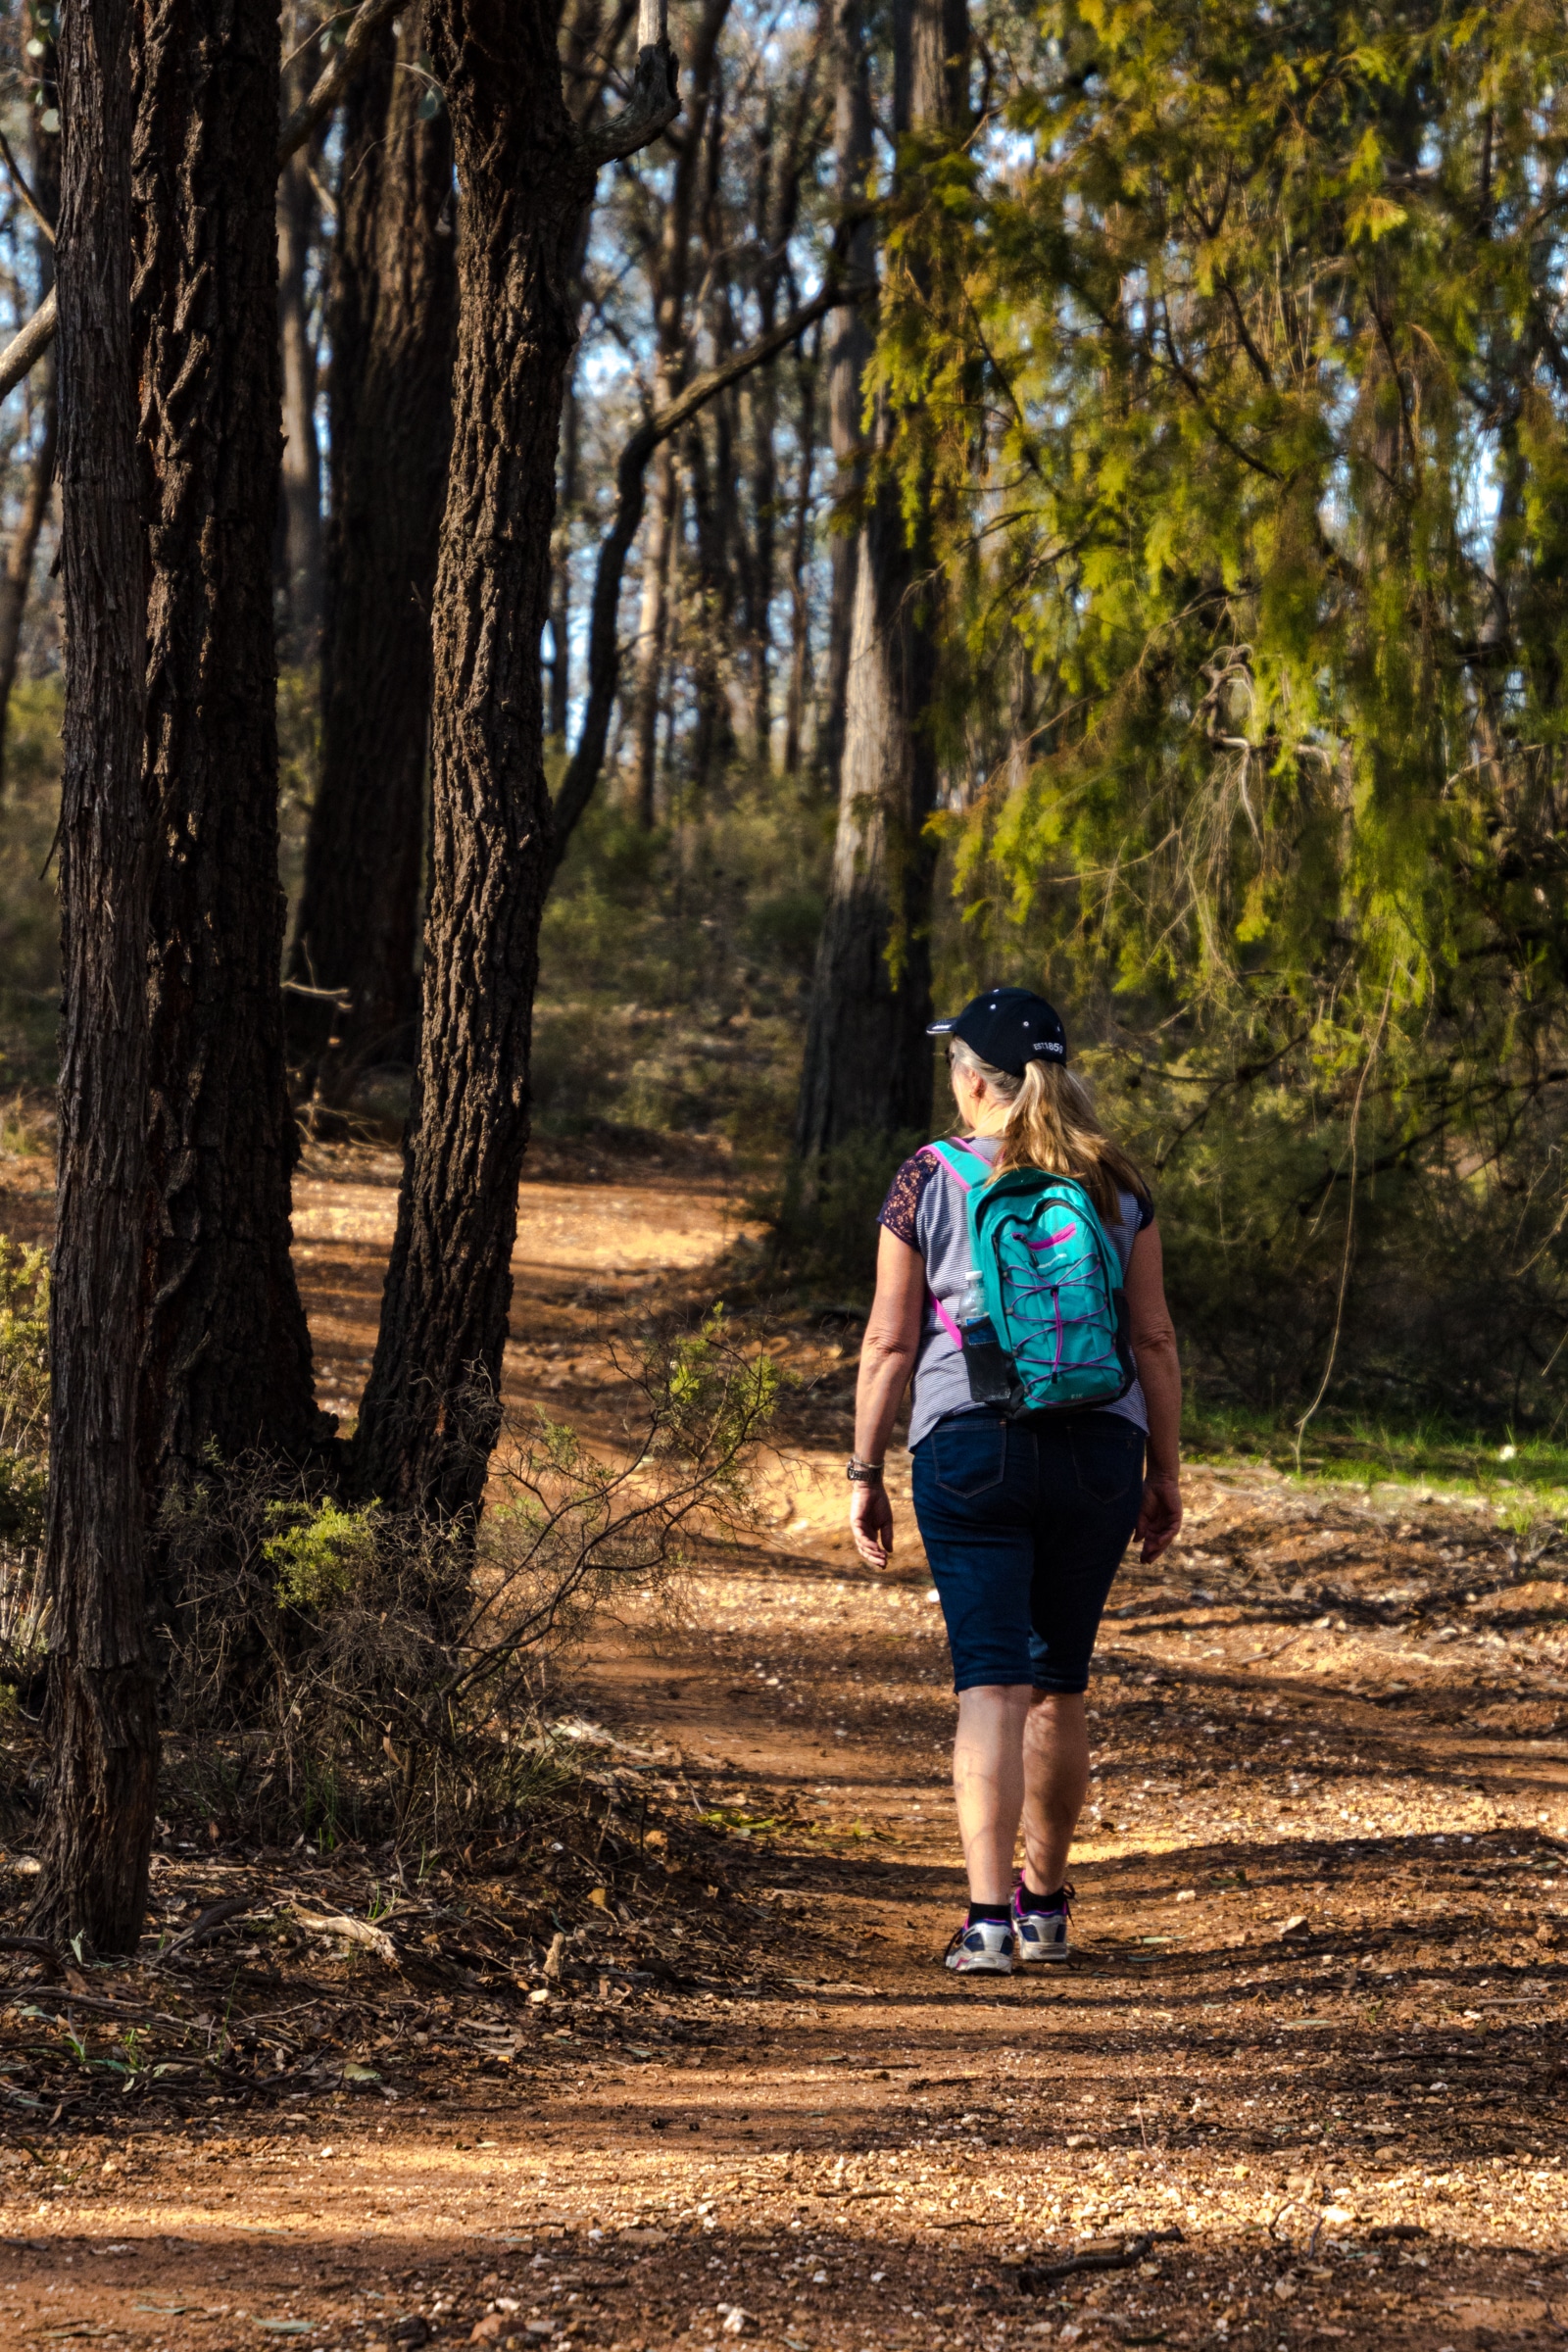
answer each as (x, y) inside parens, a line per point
(1035, 2276)
(212, 1918)
(129, 2012)
(353, 1931)
(39, 1946)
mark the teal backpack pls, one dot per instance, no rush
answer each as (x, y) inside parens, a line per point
(1054, 1331)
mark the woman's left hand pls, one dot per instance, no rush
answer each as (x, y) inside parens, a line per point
(1160, 1521)
(871, 1524)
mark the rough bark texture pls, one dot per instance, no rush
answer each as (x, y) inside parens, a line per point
(103, 1724)
(394, 317)
(228, 1358)
(848, 350)
(867, 1063)
(301, 558)
(16, 580)
(428, 1418)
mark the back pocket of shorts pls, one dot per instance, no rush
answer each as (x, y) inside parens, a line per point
(1107, 1454)
(970, 1451)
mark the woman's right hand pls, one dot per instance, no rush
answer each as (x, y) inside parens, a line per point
(871, 1524)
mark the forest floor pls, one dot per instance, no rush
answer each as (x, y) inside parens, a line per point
(1301, 2083)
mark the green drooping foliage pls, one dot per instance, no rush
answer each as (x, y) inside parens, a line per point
(1243, 387)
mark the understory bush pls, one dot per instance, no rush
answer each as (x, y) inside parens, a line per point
(822, 1224)
(334, 1670)
(675, 969)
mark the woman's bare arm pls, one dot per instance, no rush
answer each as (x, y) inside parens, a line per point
(1159, 1375)
(888, 1351)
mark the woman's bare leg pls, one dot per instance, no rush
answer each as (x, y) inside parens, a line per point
(1055, 1765)
(988, 1783)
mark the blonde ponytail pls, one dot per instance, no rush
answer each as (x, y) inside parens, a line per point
(1053, 1125)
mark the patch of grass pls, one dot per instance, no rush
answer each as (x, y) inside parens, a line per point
(1525, 1480)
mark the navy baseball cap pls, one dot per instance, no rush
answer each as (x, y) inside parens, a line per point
(1007, 1027)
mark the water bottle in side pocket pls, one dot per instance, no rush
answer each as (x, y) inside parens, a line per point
(992, 1377)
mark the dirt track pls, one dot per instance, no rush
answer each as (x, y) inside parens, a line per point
(1310, 2047)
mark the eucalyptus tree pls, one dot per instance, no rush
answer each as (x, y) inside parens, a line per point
(527, 172)
(393, 325)
(103, 1761)
(867, 1061)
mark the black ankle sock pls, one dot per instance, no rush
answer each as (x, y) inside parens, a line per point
(996, 1914)
(1034, 1900)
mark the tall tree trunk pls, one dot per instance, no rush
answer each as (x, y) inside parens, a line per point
(805, 375)
(394, 317)
(430, 1413)
(16, 580)
(763, 405)
(103, 1742)
(670, 270)
(867, 1067)
(867, 1062)
(762, 402)
(561, 594)
(848, 350)
(228, 1356)
(301, 550)
(653, 629)
(713, 734)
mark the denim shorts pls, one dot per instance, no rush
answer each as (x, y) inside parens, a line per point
(1024, 1525)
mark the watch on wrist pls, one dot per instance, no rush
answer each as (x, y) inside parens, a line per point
(862, 1474)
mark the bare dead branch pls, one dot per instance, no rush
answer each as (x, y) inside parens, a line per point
(27, 346)
(653, 102)
(603, 647)
(19, 181)
(335, 77)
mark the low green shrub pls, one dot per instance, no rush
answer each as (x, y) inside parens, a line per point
(370, 1667)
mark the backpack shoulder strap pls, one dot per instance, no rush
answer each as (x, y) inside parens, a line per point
(947, 1156)
(973, 1170)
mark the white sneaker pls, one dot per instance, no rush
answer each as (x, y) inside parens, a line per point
(1041, 1935)
(983, 1950)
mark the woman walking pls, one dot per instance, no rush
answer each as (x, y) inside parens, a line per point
(1024, 1510)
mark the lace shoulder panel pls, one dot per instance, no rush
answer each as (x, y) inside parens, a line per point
(903, 1199)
